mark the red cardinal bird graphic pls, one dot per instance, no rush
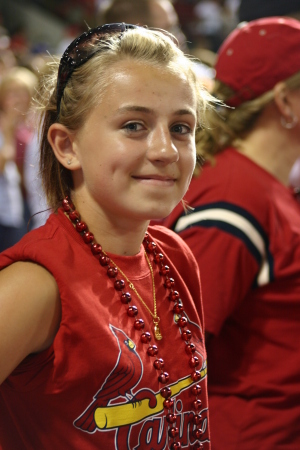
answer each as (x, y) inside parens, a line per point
(119, 383)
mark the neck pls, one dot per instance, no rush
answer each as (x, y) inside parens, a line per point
(117, 237)
(272, 148)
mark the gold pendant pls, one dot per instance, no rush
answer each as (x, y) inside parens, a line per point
(157, 333)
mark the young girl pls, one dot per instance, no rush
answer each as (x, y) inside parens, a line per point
(100, 315)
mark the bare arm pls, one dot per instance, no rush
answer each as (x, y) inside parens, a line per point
(30, 313)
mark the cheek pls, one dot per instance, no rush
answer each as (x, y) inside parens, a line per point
(189, 162)
(187, 169)
(99, 176)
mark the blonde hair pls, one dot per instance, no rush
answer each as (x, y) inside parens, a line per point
(227, 125)
(21, 75)
(89, 81)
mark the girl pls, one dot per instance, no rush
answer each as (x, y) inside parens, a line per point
(101, 320)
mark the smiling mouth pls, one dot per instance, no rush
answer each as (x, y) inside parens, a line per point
(155, 180)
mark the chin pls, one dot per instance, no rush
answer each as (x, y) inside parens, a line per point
(156, 210)
(161, 214)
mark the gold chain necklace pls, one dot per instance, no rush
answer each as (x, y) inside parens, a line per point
(155, 317)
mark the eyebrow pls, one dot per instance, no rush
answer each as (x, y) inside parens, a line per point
(180, 112)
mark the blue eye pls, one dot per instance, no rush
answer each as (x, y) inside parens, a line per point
(181, 129)
(133, 126)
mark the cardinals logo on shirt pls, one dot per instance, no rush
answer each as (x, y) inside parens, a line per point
(119, 404)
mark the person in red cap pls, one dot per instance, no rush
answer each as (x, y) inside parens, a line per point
(244, 229)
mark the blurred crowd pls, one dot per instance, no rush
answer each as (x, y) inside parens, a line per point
(200, 27)
(20, 190)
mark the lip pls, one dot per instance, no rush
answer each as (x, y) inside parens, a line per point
(155, 180)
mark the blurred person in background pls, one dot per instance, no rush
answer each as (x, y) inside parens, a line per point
(207, 23)
(16, 90)
(257, 9)
(244, 229)
(7, 57)
(210, 22)
(156, 14)
(153, 13)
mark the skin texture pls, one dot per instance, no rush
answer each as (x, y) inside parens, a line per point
(131, 162)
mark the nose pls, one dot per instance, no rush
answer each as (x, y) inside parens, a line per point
(161, 146)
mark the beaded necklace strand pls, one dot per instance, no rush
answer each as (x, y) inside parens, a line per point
(139, 324)
(155, 318)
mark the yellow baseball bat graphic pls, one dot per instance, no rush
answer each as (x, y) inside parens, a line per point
(114, 416)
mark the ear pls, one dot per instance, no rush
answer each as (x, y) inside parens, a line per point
(61, 140)
(282, 100)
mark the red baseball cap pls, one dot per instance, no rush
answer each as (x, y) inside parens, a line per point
(257, 55)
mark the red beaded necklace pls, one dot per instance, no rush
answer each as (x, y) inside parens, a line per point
(139, 324)
(155, 317)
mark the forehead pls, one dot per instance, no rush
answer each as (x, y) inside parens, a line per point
(138, 76)
(133, 88)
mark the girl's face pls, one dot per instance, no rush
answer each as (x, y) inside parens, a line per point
(136, 149)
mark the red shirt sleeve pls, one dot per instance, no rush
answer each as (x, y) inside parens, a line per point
(227, 270)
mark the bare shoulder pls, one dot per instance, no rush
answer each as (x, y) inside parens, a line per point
(30, 313)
